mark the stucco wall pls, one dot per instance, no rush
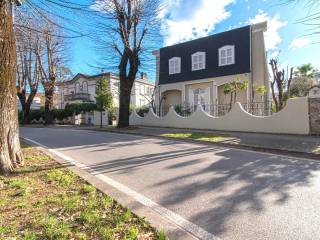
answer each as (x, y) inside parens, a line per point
(260, 75)
(173, 98)
(225, 98)
(294, 119)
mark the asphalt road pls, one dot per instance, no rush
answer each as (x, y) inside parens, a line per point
(232, 194)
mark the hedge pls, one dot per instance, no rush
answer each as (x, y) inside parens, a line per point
(60, 114)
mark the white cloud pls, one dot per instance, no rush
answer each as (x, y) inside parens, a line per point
(275, 54)
(299, 43)
(272, 36)
(183, 22)
(100, 6)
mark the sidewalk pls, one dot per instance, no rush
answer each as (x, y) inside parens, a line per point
(286, 144)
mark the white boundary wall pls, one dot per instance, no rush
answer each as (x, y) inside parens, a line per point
(293, 119)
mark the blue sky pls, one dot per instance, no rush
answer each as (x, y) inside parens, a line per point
(184, 20)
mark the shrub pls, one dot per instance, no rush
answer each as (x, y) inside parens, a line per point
(77, 108)
(141, 111)
(36, 114)
(60, 114)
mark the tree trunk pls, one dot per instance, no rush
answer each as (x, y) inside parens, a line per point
(48, 106)
(126, 83)
(231, 100)
(10, 150)
(22, 99)
(274, 96)
(124, 105)
(26, 105)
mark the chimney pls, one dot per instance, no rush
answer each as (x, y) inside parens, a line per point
(144, 76)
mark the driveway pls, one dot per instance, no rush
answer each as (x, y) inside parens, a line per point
(227, 193)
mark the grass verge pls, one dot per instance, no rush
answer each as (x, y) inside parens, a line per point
(207, 137)
(316, 150)
(45, 200)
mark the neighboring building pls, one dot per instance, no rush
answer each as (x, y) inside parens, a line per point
(82, 88)
(39, 101)
(196, 72)
(317, 76)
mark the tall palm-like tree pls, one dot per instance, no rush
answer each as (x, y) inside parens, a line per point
(305, 70)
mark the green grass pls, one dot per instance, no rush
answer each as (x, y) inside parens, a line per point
(316, 150)
(208, 137)
(44, 200)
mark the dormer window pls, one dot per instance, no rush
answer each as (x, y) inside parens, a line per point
(198, 61)
(226, 55)
(174, 65)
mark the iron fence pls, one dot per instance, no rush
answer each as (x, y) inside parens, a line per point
(218, 110)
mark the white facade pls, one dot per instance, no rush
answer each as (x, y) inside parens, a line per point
(36, 103)
(82, 88)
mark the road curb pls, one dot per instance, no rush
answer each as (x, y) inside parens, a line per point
(290, 153)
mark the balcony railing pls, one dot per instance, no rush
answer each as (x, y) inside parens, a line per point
(77, 96)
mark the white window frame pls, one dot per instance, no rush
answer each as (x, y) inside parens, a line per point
(174, 65)
(225, 58)
(196, 63)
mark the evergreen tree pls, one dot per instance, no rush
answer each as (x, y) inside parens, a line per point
(104, 98)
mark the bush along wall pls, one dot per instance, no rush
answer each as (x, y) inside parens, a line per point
(60, 114)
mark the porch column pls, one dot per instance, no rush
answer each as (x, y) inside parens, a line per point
(215, 100)
(183, 94)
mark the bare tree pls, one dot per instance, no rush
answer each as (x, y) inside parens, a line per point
(129, 22)
(50, 59)
(28, 72)
(10, 150)
(281, 82)
(312, 16)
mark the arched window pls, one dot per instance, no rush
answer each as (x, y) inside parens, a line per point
(198, 61)
(77, 87)
(175, 65)
(85, 87)
(226, 55)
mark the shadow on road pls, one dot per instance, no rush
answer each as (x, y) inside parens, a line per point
(233, 181)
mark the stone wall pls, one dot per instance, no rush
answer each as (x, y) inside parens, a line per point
(314, 115)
